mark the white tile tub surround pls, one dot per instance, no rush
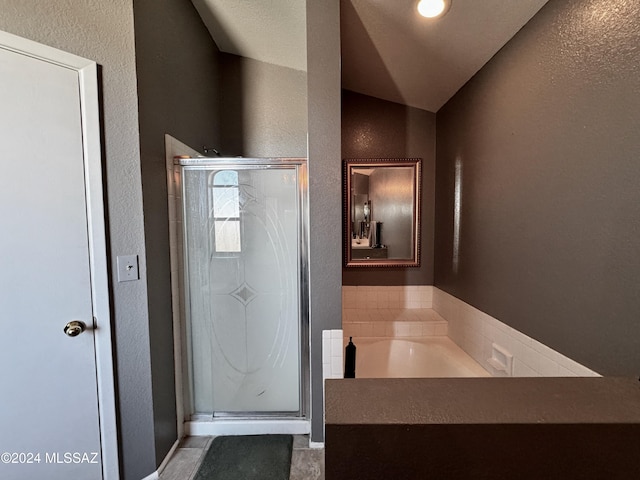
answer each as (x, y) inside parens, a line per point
(332, 362)
(419, 322)
(332, 354)
(387, 297)
(424, 310)
(484, 337)
(390, 311)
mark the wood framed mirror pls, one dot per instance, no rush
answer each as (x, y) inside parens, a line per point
(381, 200)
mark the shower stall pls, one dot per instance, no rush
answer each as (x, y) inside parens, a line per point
(244, 294)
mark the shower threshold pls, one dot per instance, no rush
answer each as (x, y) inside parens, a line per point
(208, 425)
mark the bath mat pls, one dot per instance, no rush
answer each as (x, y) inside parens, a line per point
(247, 457)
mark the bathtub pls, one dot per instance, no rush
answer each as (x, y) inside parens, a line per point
(436, 356)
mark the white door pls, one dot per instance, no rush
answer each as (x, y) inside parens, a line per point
(49, 391)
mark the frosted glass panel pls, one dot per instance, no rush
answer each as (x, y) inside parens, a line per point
(226, 202)
(242, 272)
(227, 236)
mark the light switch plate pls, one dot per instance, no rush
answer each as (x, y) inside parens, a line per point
(127, 268)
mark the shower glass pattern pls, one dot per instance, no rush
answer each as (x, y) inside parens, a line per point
(243, 239)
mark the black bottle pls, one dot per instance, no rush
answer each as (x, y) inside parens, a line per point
(350, 360)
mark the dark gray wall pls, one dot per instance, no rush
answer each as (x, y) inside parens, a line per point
(547, 136)
(263, 109)
(104, 32)
(177, 70)
(325, 191)
(374, 128)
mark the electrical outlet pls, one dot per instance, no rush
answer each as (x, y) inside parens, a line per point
(127, 268)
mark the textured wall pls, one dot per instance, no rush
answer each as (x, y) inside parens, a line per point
(177, 69)
(325, 191)
(546, 136)
(374, 128)
(103, 31)
(263, 109)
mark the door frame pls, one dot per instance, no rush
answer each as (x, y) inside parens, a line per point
(87, 71)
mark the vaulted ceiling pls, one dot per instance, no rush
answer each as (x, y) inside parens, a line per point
(272, 31)
(388, 51)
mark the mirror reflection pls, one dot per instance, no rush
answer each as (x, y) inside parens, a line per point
(382, 212)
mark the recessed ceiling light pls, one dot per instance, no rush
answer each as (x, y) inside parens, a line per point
(433, 8)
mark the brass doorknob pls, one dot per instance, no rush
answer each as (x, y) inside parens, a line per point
(74, 328)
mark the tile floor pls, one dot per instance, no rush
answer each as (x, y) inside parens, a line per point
(306, 463)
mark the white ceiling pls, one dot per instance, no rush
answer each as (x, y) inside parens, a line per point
(388, 50)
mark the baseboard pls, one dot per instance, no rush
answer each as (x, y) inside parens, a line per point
(167, 458)
(316, 444)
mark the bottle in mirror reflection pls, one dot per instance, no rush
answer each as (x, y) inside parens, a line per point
(375, 237)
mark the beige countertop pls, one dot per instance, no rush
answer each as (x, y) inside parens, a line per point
(540, 400)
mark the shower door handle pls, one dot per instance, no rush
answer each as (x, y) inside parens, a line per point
(74, 328)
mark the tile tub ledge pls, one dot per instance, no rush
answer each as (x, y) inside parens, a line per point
(498, 428)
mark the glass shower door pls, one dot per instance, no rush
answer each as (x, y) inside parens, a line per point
(242, 229)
